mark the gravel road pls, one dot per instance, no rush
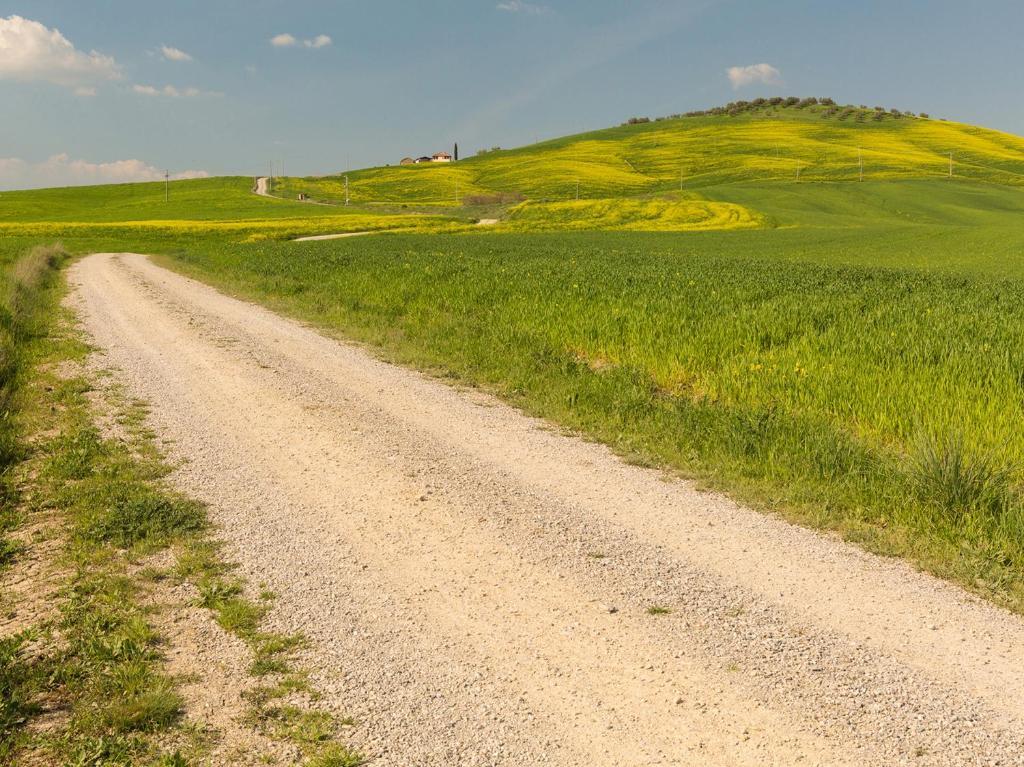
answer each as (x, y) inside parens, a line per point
(477, 585)
(322, 237)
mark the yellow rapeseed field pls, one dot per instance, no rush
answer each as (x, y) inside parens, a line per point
(651, 215)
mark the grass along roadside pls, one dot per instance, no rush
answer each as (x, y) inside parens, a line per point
(21, 321)
(86, 682)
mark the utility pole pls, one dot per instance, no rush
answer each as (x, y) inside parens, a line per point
(346, 189)
(167, 185)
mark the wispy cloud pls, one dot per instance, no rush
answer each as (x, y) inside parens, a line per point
(174, 54)
(765, 74)
(61, 170)
(320, 41)
(519, 6)
(31, 52)
(286, 40)
(172, 92)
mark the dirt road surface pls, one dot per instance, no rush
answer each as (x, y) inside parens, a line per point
(477, 586)
(262, 188)
(322, 237)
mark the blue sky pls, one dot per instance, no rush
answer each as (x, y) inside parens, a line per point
(358, 83)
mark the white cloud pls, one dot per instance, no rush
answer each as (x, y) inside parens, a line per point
(765, 74)
(172, 92)
(61, 170)
(520, 6)
(85, 91)
(31, 52)
(320, 41)
(283, 41)
(174, 54)
(286, 40)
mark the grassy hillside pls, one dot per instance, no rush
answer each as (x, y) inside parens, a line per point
(194, 208)
(196, 199)
(766, 143)
(874, 202)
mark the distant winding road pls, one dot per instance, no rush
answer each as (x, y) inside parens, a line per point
(480, 589)
(263, 190)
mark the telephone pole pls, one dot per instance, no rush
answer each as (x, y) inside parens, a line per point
(346, 189)
(167, 185)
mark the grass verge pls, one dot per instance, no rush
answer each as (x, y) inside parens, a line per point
(87, 684)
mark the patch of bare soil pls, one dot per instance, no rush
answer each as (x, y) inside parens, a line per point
(28, 588)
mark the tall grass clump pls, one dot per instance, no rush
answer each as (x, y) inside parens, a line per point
(958, 482)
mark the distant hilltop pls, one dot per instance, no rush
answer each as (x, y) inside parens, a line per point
(827, 108)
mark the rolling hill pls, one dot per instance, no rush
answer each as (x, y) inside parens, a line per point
(761, 157)
(766, 143)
